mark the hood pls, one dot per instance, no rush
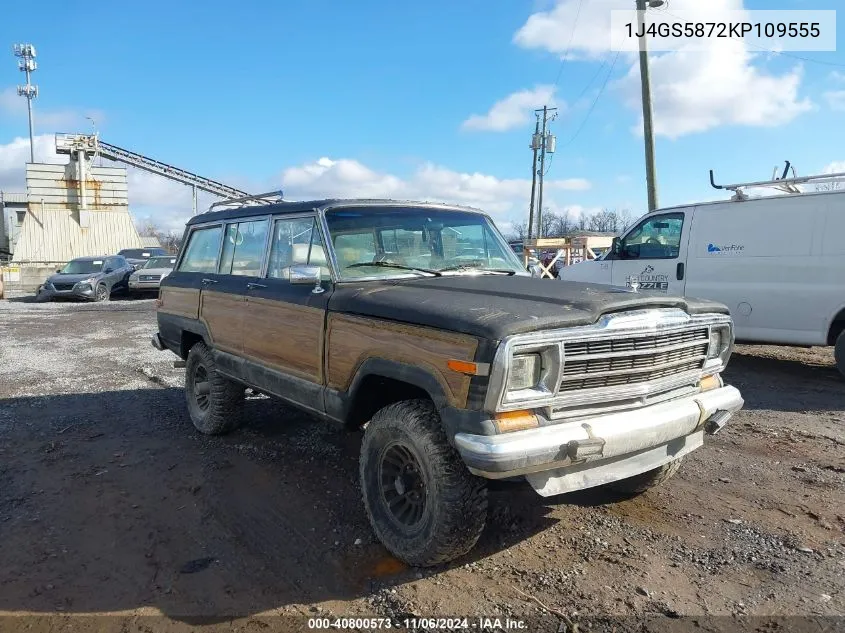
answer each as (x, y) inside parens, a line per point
(71, 279)
(495, 306)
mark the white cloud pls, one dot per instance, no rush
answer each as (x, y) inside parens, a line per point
(503, 197)
(691, 91)
(168, 204)
(513, 111)
(836, 167)
(835, 100)
(837, 76)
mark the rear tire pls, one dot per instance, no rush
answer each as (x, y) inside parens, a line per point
(422, 502)
(839, 352)
(215, 403)
(638, 484)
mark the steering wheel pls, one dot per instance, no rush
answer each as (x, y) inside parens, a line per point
(653, 240)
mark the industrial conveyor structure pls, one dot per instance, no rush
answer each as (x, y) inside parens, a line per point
(84, 145)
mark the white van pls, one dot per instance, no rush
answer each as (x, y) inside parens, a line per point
(777, 262)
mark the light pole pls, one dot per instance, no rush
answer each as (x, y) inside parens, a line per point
(28, 65)
(648, 129)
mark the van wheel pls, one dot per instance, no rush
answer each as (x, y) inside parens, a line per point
(215, 403)
(638, 484)
(422, 502)
(839, 352)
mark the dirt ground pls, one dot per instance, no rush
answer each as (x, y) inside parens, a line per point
(110, 503)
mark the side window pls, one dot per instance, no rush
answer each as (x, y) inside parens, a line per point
(296, 242)
(243, 248)
(658, 237)
(201, 251)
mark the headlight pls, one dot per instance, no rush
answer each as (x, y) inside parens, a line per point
(525, 372)
(721, 343)
(90, 281)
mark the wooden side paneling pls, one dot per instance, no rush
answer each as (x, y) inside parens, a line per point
(285, 336)
(183, 302)
(222, 314)
(351, 340)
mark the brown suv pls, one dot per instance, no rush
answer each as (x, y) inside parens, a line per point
(417, 322)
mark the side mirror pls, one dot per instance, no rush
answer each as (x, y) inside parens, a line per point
(58, 270)
(302, 275)
(108, 270)
(534, 267)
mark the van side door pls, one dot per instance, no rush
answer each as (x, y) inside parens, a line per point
(284, 323)
(653, 253)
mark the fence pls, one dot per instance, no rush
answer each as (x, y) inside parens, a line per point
(25, 277)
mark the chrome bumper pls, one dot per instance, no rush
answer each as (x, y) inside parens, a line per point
(611, 446)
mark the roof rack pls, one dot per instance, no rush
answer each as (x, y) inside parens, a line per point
(271, 197)
(788, 185)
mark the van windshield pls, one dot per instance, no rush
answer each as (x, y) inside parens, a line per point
(401, 241)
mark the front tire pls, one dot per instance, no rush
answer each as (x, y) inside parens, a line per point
(839, 352)
(638, 484)
(101, 293)
(422, 502)
(215, 403)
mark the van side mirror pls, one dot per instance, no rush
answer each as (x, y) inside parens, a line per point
(302, 275)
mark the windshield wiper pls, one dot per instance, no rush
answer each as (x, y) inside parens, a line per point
(504, 271)
(416, 269)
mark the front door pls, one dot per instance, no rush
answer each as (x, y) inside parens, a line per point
(284, 323)
(653, 254)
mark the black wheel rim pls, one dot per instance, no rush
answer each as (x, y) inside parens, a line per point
(202, 386)
(101, 293)
(402, 485)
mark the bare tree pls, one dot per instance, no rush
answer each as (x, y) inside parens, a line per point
(170, 241)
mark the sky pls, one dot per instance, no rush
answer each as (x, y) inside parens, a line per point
(430, 101)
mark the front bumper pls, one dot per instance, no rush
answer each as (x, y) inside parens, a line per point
(623, 441)
(135, 284)
(79, 291)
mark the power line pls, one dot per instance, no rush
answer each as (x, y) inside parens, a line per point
(569, 44)
(595, 101)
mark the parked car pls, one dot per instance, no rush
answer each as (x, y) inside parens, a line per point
(457, 373)
(92, 278)
(148, 277)
(775, 261)
(139, 256)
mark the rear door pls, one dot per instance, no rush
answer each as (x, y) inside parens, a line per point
(284, 323)
(653, 253)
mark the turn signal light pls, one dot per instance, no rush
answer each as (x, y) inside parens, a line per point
(510, 421)
(710, 382)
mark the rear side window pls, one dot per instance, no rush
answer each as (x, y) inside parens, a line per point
(201, 252)
(243, 248)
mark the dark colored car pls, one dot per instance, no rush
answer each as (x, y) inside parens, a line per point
(139, 256)
(367, 313)
(92, 278)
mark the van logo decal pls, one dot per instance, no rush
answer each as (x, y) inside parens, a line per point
(725, 248)
(649, 280)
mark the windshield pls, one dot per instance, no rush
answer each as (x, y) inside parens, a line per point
(82, 267)
(160, 262)
(401, 241)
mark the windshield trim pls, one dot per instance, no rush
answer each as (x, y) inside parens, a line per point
(334, 267)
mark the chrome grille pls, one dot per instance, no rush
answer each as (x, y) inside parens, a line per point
(626, 361)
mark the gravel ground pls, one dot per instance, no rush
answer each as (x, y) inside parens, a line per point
(110, 503)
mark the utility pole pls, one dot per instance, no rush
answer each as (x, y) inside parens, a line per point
(27, 65)
(648, 128)
(536, 142)
(548, 145)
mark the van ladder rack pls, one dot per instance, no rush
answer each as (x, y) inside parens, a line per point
(271, 197)
(783, 184)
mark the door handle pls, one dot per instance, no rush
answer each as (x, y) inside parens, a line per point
(254, 285)
(680, 271)
(209, 281)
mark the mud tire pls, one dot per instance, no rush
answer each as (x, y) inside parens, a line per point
(454, 510)
(221, 411)
(638, 484)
